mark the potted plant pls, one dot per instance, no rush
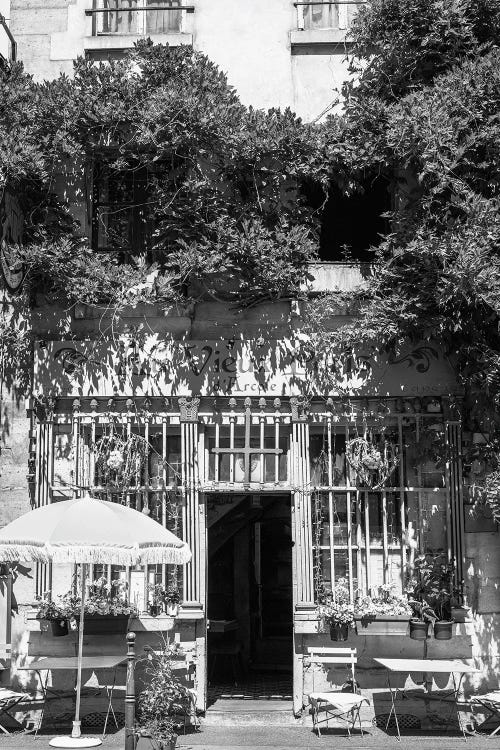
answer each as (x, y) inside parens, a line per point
(335, 611)
(162, 700)
(382, 611)
(172, 601)
(52, 615)
(155, 606)
(422, 616)
(431, 589)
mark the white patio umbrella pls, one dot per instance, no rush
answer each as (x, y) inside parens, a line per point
(88, 530)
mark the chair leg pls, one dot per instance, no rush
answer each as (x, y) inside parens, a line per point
(359, 720)
(316, 721)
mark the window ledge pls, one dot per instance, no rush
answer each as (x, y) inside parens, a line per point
(319, 36)
(127, 41)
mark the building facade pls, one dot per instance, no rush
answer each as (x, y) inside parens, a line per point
(301, 43)
(227, 451)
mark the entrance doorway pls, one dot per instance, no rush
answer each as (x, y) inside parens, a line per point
(250, 595)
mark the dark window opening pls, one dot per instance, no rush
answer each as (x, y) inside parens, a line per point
(351, 225)
(121, 219)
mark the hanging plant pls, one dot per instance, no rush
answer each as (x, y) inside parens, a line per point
(120, 461)
(372, 463)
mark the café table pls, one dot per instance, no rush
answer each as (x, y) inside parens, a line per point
(49, 664)
(430, 667)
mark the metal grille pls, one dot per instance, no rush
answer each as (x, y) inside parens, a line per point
(405, 721)
(368, 534)
(96, 719)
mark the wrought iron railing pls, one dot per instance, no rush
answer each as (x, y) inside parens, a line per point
(140, 17)
(320, 15)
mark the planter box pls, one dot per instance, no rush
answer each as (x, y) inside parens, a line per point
(382, 625)
(57, 628)
(460, 614)
(105, 624)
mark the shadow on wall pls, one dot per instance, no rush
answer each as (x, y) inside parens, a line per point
(482, 585)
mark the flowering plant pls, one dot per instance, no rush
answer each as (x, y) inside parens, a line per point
(372, 463)
(382, 600)
(115, 460)
(47, 609)
(336, 609)
(103, 598)
(172, 595)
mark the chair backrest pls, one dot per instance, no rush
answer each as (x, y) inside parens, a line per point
(330, 655)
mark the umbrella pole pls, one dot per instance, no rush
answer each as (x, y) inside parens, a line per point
(76, 732)
(75, 740)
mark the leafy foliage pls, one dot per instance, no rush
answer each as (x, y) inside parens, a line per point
(163, 697)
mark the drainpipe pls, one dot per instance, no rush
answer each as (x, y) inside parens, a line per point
(13, 44)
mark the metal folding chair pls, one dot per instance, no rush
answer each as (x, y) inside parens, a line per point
(335, 704)
(491, 703)
(8, 698)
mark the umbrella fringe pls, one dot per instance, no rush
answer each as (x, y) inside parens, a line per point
(170, 555)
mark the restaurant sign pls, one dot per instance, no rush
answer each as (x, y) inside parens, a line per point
(161, 366)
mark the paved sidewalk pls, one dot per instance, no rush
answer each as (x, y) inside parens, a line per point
(277, 738)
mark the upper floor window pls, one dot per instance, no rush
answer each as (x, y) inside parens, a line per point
(138, 16)
(324, 15)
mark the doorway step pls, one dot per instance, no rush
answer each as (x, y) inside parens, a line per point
(261, 699)
(250, 712)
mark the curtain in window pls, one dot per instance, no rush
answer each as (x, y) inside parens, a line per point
(163, 21)
(121, 18)
(324, 16)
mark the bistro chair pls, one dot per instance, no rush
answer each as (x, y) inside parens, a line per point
(9, 699)
(336, 704)
(491, 703)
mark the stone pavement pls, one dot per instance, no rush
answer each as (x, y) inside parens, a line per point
(276, 738)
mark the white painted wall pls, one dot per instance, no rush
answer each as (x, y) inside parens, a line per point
(248, 39)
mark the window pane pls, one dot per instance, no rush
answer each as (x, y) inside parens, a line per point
(321, 16)
(319, 460)
(162, 21)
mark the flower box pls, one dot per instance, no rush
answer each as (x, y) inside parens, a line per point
(105, 624)
(382, 625)
(57, 627)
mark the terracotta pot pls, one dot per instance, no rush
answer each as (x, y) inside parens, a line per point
(339, 632)
(418, 630)
(443, 630)
(154, 610)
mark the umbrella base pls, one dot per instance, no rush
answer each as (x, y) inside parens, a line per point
(75, 742)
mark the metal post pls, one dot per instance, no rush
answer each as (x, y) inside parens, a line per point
(130, 694)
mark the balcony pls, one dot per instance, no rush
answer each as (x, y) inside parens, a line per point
(323, 22)
(118, 24)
